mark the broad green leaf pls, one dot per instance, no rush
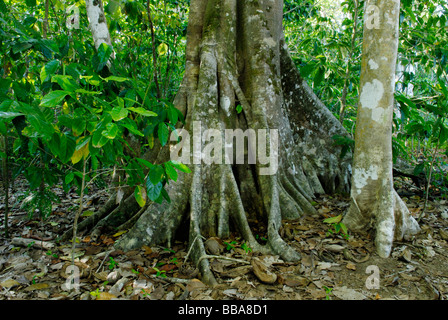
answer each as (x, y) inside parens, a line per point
(69, 177)
(180, 166)
(443, 134)
(131, 127)
(165, 195)
(335, 219)
(344, 228)
(78, 126)
(118, 113)
(100, 59)
(30, 3)
(22, 46)
(5, 84)
(87, 213)
(48, 70)
(66, 82)
(171, 172)
(162, 49)
(111, 131)
(145, 163)
(153, 191)
(115, 78)
(82, 150)
(319, 77)
(140, 196)
(53, 98)
(143, 111)
(8, 115)
(163, 132)
(172, 115)
(156, 174)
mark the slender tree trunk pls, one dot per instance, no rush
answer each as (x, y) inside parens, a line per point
(374, 200)
(98, 23)
(236, 55)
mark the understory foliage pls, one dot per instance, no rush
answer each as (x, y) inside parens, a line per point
(326, 47)
(67, 115)
(64, 110)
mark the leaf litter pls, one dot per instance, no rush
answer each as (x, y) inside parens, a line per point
(33, 265)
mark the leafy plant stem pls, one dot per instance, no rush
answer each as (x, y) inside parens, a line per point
(428, 183)
(154, 57)
(78, 214)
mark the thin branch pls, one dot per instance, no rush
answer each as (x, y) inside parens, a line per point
(154, 56)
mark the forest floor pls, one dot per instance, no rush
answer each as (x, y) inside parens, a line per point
(332, 266)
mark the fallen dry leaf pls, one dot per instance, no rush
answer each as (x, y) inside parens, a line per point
(195, 284)
(351, 266)
(292, 280)
(345, 293)
(262, 272)
(37, 286)
(10, 283)
(105, 296)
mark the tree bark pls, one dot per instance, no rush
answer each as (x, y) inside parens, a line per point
(98, 24)
(236, 55)
(374, 202)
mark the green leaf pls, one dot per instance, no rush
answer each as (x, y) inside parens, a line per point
(3, 6)
(111, 131)
(171, 172)
(30, 3)
(8, 115)
(166, 195)
(163, 132)
(66, 82)
(22, 46)
(78, 126)
(172, 115)
(69, 177)
(319, 77)
(5, 84)
(239, 108)
(131, 126)
(156, 174)
(153, 191)
(145, 163)
(53, 98)
(143, 111)
(443, 134)
(180, 166)
(140, 196)
(335, 219)
(119, 113)
(48, 70)
(3, 130)
(162, 49)
(100, 59)
(115, 78)
(343, 228)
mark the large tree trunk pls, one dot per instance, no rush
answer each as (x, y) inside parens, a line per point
(374, 202)
(236, 55)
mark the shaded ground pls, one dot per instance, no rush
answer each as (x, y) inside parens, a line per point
(332, 266)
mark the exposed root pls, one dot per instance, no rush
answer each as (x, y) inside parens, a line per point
(263, 83)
